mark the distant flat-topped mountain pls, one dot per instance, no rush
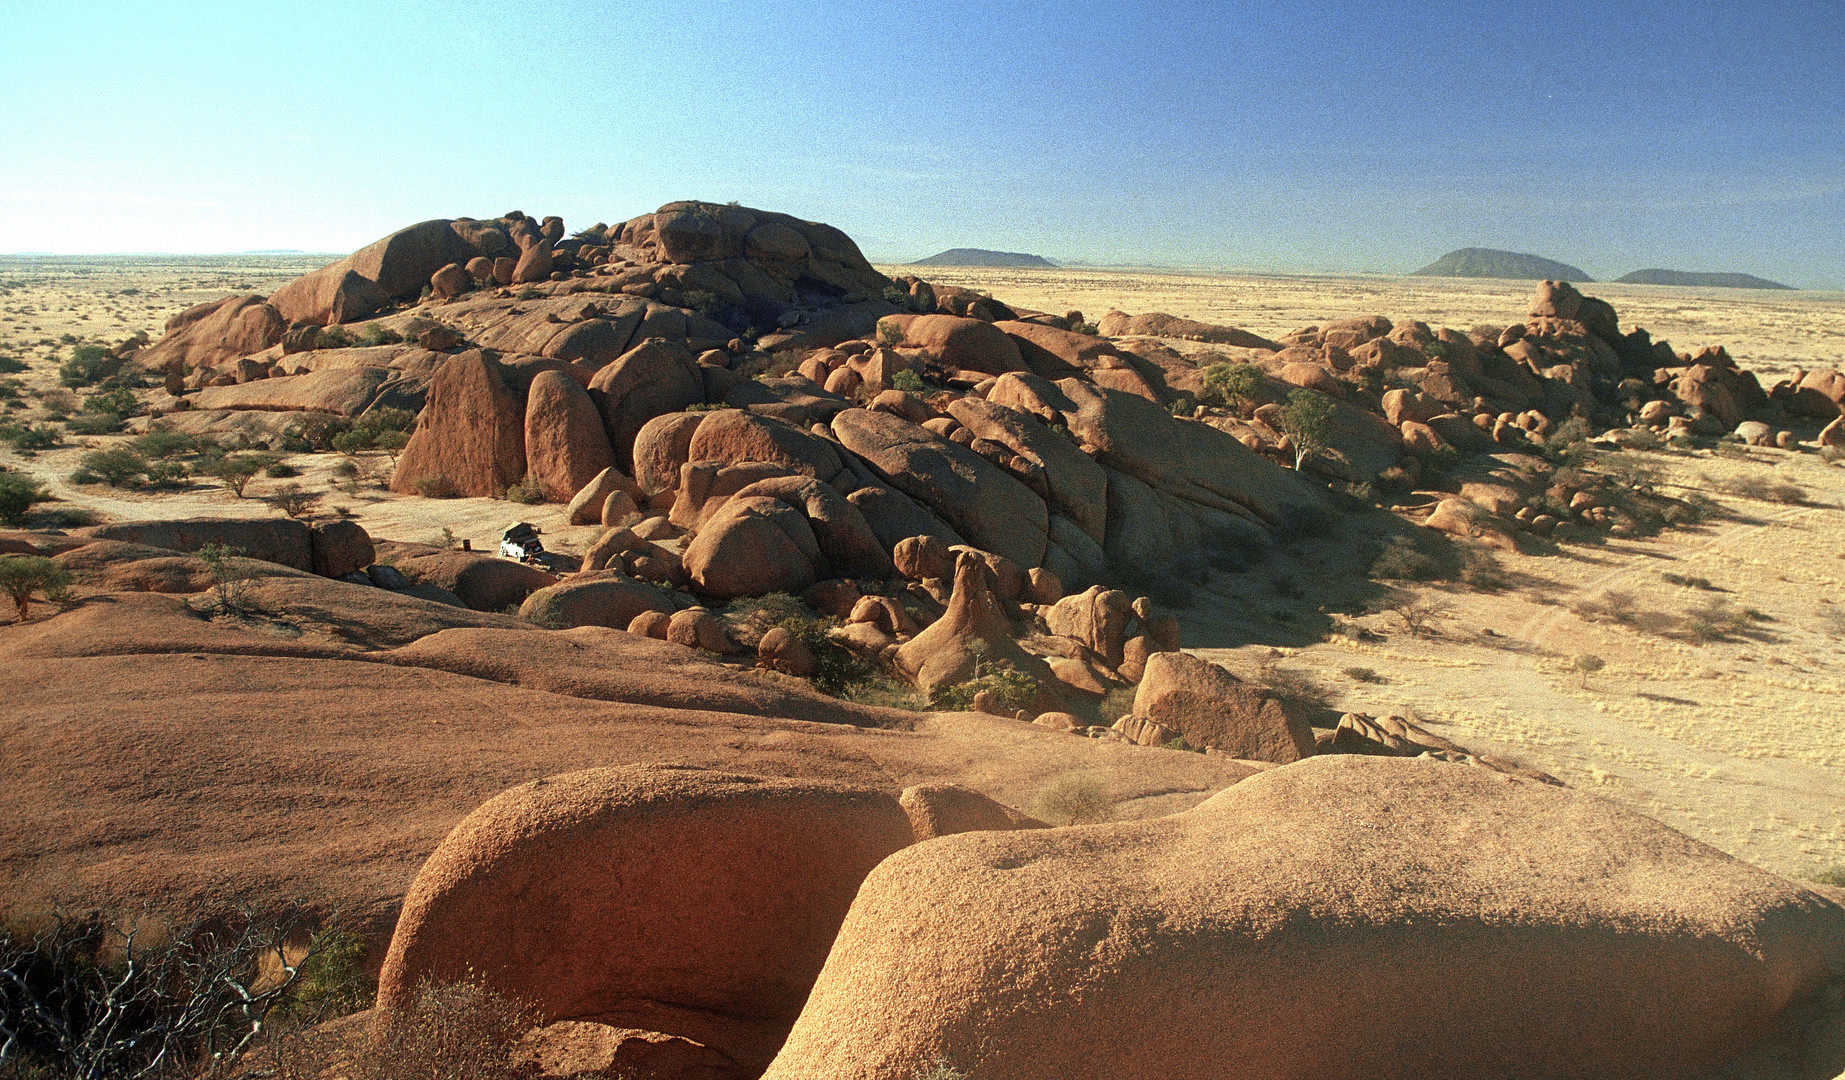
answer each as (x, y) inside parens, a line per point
(1692, 277)
(1485, 262)
(983, 257)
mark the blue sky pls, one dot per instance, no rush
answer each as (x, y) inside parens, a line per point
(1302, 137)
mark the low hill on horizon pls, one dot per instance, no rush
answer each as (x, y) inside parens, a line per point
(1693, 277)
(1490, 263)
(983, 257)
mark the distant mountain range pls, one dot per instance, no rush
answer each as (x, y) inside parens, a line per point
(983, 257)
(1488, 263)
(1691, 277)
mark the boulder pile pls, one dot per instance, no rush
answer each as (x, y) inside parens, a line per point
(747, 407)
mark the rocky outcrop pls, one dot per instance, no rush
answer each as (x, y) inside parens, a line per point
(566, 445)
(470, 438)
(972, 634)
(1214, 709)
(1504, 920)
(551, 894)
(213, 332)
(652, 379)
(397, 267)
(981, 501)
(1159, 324)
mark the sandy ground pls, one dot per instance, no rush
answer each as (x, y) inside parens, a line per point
(1740, 743)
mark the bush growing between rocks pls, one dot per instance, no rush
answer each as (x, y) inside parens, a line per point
(1074, 799)
(526, 492)
(372, 335)
(1012, 690)
(1235, 385)
(1306, 422)
(107, 998)
(88, 365)
(909, 382)
(230, 583)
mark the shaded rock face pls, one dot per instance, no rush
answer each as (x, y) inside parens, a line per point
(276, 540)
(471, 434)
(552, 893)
(982, 502)
(652, 379)
(1514, 929)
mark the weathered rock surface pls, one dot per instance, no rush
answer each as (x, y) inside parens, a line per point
(983, 502)
(1513, 928)
(760, 873)
(470, 435)
(1214, 709)
(566, 445)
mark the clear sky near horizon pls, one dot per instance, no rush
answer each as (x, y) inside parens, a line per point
(1306, 137)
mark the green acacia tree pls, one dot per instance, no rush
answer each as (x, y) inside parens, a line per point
(1307, 421)
(23, 575)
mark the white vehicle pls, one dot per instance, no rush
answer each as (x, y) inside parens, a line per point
(520, 542)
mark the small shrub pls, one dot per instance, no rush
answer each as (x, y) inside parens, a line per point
(334, 337)
(1115, 704)
(281, 470)
(373, 335)
(526, 491)
(1364, 675)
(230, 581)
(889, 333)
(162, 443)
(1481, 570)
(703, 301)
(1402, 560)
(315, 432)
(1701, 583)
(1012, 690)
(23, 575)
(1715, 620)
(346, 469)
(527, 293)
(31, 438)
(1585, 665)
(939, 1069)
(115, 466)
(1074, 799)
(18, 493)
(1235, 385)
(909, 382)
(237, 470)
(434, 487)
(88, 365)
(1834, 876)
(294, 500)
(120, 401)
(93, 423)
